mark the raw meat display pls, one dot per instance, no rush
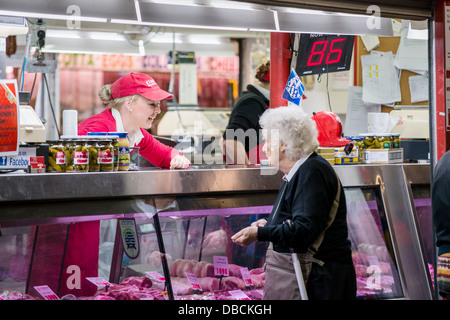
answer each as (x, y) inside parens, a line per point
(373, 269)
(140, 282)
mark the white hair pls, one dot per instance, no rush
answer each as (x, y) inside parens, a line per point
(295, 129)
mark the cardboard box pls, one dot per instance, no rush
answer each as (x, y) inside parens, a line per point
(383, 155)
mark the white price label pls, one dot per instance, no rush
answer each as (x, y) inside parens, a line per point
(99, 282)
(220, 266)
(155, 275)
(192, 278)
(239, 294)
(46, 293)
(246, 276)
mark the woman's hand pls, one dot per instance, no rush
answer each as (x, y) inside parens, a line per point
(259, 223)
(179, 162)
(246, 236)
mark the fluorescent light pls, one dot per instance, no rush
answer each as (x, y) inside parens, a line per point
(88, 52)
(51, 16)
(204, 39)
(105, 36)
(175, 25)
(54, 33)
(176, 2)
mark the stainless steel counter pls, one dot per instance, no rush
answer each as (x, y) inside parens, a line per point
(32, 199)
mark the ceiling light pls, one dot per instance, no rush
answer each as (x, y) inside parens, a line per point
(51, 16)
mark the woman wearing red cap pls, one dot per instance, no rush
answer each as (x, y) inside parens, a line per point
(133, 103)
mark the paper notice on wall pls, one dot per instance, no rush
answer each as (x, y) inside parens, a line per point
(381, 83)
(418, 87)
(9, 118)
(188, 94)
(357, 110)
(412, 54)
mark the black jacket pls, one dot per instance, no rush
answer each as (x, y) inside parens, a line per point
(246, 113)
(440, 203)
(307, 202)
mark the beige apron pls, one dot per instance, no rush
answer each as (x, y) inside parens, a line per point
(280, 279)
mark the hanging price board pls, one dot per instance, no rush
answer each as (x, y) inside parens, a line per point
(221, 266)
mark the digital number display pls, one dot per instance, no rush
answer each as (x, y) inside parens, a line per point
(319, 53)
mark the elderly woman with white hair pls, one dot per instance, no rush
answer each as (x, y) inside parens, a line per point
(309, 216)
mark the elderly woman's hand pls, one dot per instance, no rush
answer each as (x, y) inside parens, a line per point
(179, 162)
(246, 236)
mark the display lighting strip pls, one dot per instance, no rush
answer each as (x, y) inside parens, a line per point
(51, 16)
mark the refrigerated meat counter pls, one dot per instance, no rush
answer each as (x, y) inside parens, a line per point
(167, 226)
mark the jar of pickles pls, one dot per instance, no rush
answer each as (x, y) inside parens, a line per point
(115, 144)
(93, 148)
(56, 157)
(395, 137)
(105, 157)
(377, 140)
(77, 155)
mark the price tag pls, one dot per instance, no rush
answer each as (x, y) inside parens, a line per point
(46, 293)
(246, 276)
(165, 295)
(220, 266)
(193, 281)
(239, 294)
(99, 282)
(155, 275)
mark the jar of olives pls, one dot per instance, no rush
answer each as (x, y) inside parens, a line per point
(56, 157)
(105, 155)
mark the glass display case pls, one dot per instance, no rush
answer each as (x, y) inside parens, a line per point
(161, 232)
(418, 179)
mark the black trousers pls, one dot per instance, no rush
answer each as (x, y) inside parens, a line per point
(332, 281)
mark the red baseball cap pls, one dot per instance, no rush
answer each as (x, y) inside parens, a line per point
(138, 83)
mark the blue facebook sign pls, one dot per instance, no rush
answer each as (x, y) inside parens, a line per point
(294, 89)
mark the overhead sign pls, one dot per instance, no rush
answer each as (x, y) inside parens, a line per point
(9, 118)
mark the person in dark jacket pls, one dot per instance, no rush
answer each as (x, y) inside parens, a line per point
(241, 139)
(440, 206)
(300, 214)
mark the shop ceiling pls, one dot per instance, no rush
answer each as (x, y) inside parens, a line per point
(143, 22)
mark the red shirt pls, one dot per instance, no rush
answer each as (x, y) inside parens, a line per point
(150, 148)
